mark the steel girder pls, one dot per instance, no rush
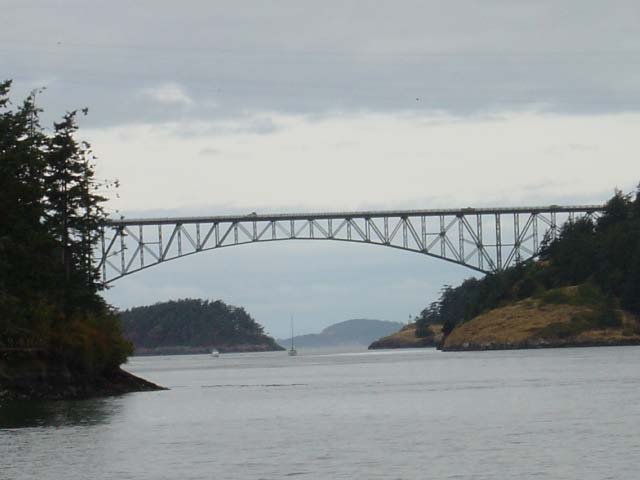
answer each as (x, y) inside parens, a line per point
(483, 239)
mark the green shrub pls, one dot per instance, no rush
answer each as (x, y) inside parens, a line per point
(557, 330)
(573, 328)
(628, 330)
(554, 297)
(91, 343)
(423, 331)
(526, 287)
(588, 294)
(607, 316)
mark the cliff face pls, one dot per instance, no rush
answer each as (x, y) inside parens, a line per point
(533, 324)
(406, 338)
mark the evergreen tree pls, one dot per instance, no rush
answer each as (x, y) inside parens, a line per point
(25, 246)
(73, 211)
(49, 219)
(574, 253)
(604, 254)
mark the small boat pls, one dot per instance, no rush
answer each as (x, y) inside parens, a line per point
(215, 353)
(292, 351)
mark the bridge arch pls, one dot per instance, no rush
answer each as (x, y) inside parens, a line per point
(485, 240)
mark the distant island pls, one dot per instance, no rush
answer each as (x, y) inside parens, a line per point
(582, 290)
(191, 326)
(355, 332)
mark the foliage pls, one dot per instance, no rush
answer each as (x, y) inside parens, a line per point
(555, 296)
(92, 343)
(191, 322)
(605, 316)
(49, 213)
(601, 256)
(73, 210)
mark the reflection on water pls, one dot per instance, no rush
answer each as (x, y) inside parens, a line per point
(561, 414)
(23, 414)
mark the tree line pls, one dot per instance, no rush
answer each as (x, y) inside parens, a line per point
(602, 255)
(191, 322)
(50, 211)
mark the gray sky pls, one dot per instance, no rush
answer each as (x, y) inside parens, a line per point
(208, 107)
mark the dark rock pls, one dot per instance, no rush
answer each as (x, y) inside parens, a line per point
(32, 375)
(538, 343)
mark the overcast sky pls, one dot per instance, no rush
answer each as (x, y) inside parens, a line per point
(211, 107)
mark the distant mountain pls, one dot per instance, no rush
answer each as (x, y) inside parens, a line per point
(350, 332)
(193, 326)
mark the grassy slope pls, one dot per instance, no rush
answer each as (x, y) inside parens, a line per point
(406, 338)
(533, 323)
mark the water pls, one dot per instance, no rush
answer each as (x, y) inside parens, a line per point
(413, 414)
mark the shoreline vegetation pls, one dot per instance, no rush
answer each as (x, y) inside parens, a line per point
(406, 338)
(582, 290)
(58, 337)
(193, 326)
(536, 323)
(30, 374)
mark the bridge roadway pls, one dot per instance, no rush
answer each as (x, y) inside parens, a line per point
(483, 239)
(356, 214)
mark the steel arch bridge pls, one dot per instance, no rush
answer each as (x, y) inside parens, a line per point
(483, 239)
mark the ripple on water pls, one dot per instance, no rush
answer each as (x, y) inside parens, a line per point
(561, 414)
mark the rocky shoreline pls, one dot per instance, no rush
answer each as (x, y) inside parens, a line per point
(528, 324)
(66, 386)
(399, 341)
(531, 324)
(32, 374)
(475, 347)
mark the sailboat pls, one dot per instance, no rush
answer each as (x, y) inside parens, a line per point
(292, 351)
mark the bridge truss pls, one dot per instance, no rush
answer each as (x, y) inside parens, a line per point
(483, 239)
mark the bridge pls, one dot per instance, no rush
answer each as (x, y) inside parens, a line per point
(483, 239)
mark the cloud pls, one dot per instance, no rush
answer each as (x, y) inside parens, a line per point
(222, 60)
(259, 123)
(168, 94)
(209, 152)
(370, 160)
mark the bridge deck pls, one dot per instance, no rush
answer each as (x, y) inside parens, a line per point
(354, 214)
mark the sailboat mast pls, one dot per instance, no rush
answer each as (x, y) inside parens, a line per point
(291, 332)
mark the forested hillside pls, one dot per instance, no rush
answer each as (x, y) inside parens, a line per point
(57, 335)
(599, 257)
(193, 326)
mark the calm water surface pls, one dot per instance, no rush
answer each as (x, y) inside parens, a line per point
(412, 414)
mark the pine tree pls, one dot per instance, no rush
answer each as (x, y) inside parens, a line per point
(50, 215)
(25, 246)
(73, 211)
